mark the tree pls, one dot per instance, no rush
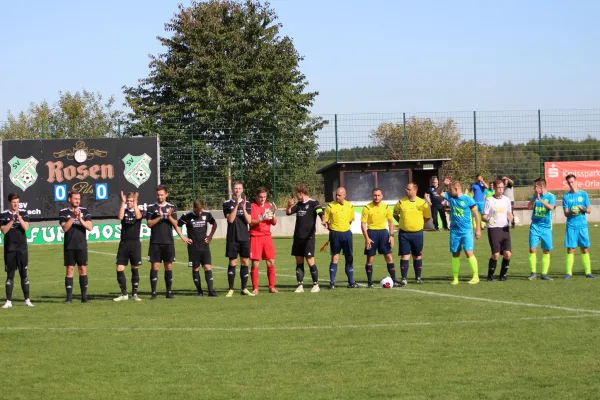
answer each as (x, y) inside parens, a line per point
(78, 115)
(227, 92)
(427, 139)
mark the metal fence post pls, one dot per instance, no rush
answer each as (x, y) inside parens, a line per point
(404, 136)
(193, 169)
(274, 169)
(540, 143)
(337, 152)
(475, 142)
(241, 158)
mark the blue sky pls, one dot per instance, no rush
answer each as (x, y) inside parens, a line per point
(363, 57)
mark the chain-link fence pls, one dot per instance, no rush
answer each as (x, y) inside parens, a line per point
(201, 160)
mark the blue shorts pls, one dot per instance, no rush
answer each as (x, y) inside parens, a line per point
(410, 243)
(340, 241)
(381, 242)
(539, 233)
(461, 241)
(480, 206)
(577, 237)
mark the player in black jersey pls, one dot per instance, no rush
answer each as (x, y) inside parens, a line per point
(130, 247)
(14, 224)
(199, 251)
(75, 220)
(303, 246)
(237, 211)
(162, 218)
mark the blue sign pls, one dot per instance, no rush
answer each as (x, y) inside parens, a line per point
(101, 191)
(60, 192)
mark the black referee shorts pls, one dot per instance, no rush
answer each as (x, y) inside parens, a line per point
(74, 257)
(198, 257)
(499, 239)
(164, 253)
(130, 251)
(16, 260)
(303, 247)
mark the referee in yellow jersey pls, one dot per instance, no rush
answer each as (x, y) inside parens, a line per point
(411, 212)
(378, 229)
(339, 214)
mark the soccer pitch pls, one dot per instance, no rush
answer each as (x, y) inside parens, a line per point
(517, 339)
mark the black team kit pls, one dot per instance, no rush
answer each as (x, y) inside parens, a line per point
(130, 251)
(304, 236)
(162, 245)
(75, 249)
(16, 256)
(199, 251)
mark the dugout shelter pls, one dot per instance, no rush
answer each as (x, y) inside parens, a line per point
(391, 176)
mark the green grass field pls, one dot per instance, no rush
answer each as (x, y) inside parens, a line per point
(502, 340)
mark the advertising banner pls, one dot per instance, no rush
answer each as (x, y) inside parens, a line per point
(42, 172)
(100, 233)
(587, 173)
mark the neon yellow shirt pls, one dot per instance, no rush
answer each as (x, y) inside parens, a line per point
(411, 214)
(376, 217)
(339, 216)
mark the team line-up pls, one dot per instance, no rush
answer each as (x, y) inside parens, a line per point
(249, 236)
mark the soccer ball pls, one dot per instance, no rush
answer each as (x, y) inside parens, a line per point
(27, 178)
(516, 220)
(387, 283)
(141, 174)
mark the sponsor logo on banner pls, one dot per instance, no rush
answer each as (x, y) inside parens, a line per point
(100, 233)
(587, 173)
(23, 172)
(137, 169)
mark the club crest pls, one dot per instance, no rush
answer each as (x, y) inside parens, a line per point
(137, 169)
(23, 172)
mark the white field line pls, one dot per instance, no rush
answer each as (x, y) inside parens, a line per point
(291, 328)
(511, 303)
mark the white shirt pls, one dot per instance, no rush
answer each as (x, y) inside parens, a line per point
(497, 209)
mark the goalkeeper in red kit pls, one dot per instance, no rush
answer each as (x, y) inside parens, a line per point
(261, 242)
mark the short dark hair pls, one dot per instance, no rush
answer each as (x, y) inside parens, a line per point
(414, 184)
(376, 190)
(72, 192)
(570, 176)
(237, 182)
(497, 182)
(262, 189)
(302, 188)
(161, 187)
(13, 196)
(198, 204)
(541, 181)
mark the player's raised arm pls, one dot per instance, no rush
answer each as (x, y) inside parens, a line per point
(138, 212)
(66, 222)
(151, 219)
(441, 188)
(121, 213)
(85, 218)
(291, 206)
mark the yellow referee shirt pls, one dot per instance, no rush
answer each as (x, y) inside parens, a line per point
(411, 214)
(376, 217)
(339, 216)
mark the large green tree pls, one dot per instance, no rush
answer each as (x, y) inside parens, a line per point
(75, 115)
(228, 99)
(425, 138)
